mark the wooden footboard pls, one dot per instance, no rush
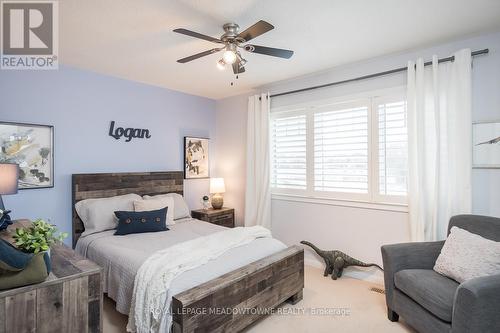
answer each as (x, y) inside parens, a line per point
(235, 300)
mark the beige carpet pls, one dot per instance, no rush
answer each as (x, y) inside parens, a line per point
(345, 305)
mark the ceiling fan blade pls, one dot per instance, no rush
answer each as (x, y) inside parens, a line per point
(237, 69)
(198, 55)
(197, 35)
(255, 30)
(270, 51)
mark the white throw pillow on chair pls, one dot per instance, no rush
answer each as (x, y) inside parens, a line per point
(466, 256)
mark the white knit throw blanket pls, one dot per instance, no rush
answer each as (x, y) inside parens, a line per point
(152, 282)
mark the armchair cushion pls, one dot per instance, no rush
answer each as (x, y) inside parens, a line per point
(397, 257)
(431, 290)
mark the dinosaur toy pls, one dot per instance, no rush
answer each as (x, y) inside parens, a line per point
(336, 261)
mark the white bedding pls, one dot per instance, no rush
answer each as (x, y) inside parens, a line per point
(121, 257)
(152, 298)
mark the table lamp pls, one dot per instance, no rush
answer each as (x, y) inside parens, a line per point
(216, 189)
(9, 174)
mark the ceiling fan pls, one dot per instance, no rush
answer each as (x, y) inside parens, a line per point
(232, 41)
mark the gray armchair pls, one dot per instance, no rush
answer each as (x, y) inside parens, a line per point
(430, 302)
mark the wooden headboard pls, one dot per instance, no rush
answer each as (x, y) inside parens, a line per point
(104, 185)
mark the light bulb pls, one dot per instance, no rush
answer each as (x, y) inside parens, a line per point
(221, 64)
(229, 57)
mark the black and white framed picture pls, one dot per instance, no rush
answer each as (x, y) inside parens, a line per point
(31, 146)
(486, 144)
(196, 158)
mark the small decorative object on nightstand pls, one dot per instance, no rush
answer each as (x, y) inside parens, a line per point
(217, 187)
(205, 201)
(223, 216)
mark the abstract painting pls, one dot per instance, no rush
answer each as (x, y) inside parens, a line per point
(196, 158)
(32, 147)
(486, 145)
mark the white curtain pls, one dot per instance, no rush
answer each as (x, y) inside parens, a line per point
(440, 148)
(258, 196)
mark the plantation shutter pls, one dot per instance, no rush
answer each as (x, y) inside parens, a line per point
(353, 149)
(393, 148)
(341, 149)
(288, 150)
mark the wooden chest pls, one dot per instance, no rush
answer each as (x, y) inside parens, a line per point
(70, 300)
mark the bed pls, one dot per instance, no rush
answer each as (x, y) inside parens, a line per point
(254, 277)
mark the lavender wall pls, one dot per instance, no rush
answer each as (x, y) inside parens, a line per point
(80, 105)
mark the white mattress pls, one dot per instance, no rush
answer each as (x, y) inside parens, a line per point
(121, 256)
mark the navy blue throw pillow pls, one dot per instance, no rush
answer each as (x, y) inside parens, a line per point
(137, 222)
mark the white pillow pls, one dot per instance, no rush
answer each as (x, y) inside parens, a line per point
(181, 209)
(155, 204)
(466, 255)
(99, 214)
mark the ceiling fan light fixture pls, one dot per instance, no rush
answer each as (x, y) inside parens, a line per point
(229, 57)
(221, 64)
(231, 42)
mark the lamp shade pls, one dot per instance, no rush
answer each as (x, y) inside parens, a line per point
(217, 185)
(9, 173)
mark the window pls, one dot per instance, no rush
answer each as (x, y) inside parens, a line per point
(348, 149)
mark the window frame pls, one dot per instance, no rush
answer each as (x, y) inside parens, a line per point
(371, 99)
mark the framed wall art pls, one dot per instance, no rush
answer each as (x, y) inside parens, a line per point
(486, 144)
(31, 146)
(196, 158)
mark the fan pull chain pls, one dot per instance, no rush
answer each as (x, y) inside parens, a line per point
(237, 77)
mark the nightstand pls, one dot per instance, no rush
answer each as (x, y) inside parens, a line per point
(223, 216)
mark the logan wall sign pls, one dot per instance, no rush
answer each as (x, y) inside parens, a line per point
(129, 133)
(29, 36)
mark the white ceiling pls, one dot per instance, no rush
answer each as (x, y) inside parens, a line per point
(133, 39)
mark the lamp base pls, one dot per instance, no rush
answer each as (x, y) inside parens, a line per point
(217, 201)
(2, 207)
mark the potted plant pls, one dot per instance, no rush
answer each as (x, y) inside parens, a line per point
(38, 237)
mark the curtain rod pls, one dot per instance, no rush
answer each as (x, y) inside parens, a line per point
(370, 76)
